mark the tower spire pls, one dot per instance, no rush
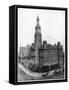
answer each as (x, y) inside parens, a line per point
(37, 28)
(37, 19)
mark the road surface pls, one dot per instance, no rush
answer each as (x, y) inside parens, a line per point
(22, 76)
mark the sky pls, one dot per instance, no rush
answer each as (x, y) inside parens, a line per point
(52, 24)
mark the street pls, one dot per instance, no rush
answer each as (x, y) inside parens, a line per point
(24, 77)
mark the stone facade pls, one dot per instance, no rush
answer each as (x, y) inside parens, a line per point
(48, 54)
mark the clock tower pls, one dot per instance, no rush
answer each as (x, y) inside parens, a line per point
(38, 36)
(37, 41)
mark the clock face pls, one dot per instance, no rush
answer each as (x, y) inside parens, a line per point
(38, 30)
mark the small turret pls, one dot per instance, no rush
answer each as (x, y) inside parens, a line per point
(58, 43)
(44, 44)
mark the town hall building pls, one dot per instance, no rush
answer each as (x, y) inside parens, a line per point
(42, 53)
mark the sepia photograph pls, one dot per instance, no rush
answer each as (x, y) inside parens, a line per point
(41, 45)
